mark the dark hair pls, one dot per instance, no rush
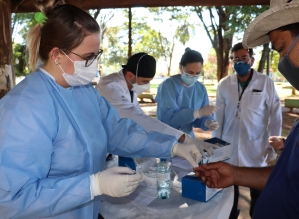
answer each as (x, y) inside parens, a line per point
(293, 28)
(240, 46)
(65, 27)
(190, 56)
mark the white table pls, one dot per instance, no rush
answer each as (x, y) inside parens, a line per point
(176, 207)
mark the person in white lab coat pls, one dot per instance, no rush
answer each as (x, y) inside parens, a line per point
(122, 88)
(249, 112)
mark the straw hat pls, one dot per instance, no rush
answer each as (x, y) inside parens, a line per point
(280, 13)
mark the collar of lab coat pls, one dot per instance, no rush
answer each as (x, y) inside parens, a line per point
(123, 81)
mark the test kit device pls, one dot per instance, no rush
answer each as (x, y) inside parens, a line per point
(126, 162)
(192, 186)
(220, 154)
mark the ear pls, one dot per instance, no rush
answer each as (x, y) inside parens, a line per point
(130, 75)
(180, 67)
(252, 60)
(55, 55)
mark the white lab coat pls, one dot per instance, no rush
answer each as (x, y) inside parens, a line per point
(260, 118)
(114, 88)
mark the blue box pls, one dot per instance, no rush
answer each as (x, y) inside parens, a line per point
(123, 161)
(194, 188)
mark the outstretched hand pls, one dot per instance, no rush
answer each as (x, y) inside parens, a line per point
(216, 175)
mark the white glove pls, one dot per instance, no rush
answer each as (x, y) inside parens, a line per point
(187, 151)
(277, 142)
(205, 111)
(115, 182)
(202, 146)
(270, 154)
(211, 124)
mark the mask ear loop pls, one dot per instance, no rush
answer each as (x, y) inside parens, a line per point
(138, 66)
(293, 44)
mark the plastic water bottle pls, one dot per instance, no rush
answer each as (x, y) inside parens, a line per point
(163, 179)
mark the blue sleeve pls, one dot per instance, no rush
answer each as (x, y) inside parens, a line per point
(126, 138)
(199, 123)
(27, 129)
(168, 110)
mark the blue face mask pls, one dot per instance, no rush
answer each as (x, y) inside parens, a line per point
(188, 78)
(242, 68)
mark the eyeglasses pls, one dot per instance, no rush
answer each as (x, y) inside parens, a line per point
(243, 59)
(89, 59)
(192, 75)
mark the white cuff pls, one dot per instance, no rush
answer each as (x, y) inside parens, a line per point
(94, 188)
(206, 124)
(196, 114)
(174, 148)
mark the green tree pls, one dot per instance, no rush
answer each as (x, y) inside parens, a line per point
(210, 66)
(21, 22)
(115, 49)
(224, 22)
(178, 17)
(21, 66)
(24, 20)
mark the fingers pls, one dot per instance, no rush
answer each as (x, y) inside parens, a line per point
(274, 138)
(122, 170)
(211, 166)
(214, 146)
(134, 178)
(213, 108)
(210, 151)
(194, 156)
(199, 168)
(211, 145)
(192, 161)
(214, 125)
(197, 157)
(202, 152)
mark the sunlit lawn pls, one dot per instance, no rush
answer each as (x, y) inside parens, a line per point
(283, 89)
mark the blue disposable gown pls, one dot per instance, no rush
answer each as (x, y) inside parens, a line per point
(52, 139)
(176, 104)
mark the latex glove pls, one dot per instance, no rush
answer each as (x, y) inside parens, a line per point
(211, 124)
(277, 142)
(270, 154)
(202, 146)
(205, 111)
(187, 151)
(116, 182)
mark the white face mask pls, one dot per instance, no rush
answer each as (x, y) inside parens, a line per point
(139, 88)
(82, 75)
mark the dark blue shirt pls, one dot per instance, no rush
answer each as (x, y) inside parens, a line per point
(280, 198)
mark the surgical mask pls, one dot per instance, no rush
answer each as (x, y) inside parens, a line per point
(242, 68)
(188, 78)
(82, 75)
(287, 68)
(139, 88)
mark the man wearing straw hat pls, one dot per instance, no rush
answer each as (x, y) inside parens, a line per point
(280, 183)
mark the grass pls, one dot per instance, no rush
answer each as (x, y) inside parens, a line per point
(283, 89)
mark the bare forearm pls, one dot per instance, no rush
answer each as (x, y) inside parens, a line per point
(252, 177)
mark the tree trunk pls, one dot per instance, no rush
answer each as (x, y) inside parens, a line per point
(293, 91)
(264, 57)
(6, 60)
(130, 34)
(170, 58)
